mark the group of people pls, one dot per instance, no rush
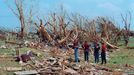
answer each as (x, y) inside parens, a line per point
(87, 51)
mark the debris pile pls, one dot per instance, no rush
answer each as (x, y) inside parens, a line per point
(60, 66)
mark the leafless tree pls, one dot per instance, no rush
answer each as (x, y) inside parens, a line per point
(24, 18)
(127, 23)
(108, 30)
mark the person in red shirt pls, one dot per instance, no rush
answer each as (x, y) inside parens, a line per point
(103, 53)
(86, 51)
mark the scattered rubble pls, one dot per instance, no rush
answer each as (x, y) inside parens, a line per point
(60, 66)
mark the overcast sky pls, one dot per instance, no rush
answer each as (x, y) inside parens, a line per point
(90, 8)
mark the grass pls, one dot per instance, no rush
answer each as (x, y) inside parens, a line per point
(10, 53)
(122, 57)
(131, 42)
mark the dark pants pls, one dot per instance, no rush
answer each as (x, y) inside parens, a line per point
(76, 55)
(103, 58)
(96, 57)
(86, 56)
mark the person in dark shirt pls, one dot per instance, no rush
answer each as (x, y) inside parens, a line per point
(86, 51)
(96, 52)
(103, 53)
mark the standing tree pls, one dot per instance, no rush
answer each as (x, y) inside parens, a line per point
(24, 18)
(127, 23)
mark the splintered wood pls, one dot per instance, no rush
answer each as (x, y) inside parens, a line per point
(59, 64)
(113, 46)
(44, 33)
(56, 52)
(31, 72)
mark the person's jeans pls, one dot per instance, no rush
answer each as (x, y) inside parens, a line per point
(86, 56)
(76, 55)
(96, 57)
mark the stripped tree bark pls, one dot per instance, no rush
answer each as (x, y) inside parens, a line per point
(112, 46)
(19, 14)
(91, 28)
(127, 23)
(44, 32)
(109, 31)
(24, 18)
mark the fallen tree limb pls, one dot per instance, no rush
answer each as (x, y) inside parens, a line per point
(12, 68)
(113, 46)
(64, 39)
(130, 47)
(14, 43)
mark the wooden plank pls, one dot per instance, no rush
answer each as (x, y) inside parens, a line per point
(12, 68)
(70, 71)
(30, 72)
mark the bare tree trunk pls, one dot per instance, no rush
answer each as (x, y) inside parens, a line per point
(127, 23)
(19, 13)
(22, 26)
(19, 6)
(44, 32)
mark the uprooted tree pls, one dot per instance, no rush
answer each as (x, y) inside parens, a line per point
(109, 30)
(47, 36)
(54, 30)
